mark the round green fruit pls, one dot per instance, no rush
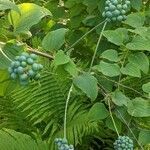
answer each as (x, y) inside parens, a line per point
(23, 64)
(119, 6)
(13, 75)
(116, 12)
(31, 73)
(30, 61)
(33, 56)
(20, 70)
(23, 77)
(112, 7)
(108, 14)
(120, 18)
(22, 58)
(35, 67)
(25, 54)
(125, 6)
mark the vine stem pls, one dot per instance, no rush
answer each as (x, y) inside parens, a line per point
(29, 49)
(130, 130)
(112, 117)
(94, 55)
(66, 108)
(85, 35)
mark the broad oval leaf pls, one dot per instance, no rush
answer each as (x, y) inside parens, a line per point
(144, 137)
(135, 20)
(61, 58)
(54, 39)
(6, 4)
(88, 84)
(109, 69)
(146, 87)
(139, 107)
(139, 43)
(131, 70)
(31, 14)
(98, 112)
(117, 37)
(119, 98)
(111, 55)
(140, 60)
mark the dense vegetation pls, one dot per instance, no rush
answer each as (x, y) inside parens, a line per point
(74, 74)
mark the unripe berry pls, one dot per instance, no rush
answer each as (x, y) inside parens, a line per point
(116, 12)
(20, 70)
(33, 56)
(119, 18)
(23, 77)
(13, 75)
(22, 58)
(30, 61)
(23, 64)
(125, 6)
(108, 14)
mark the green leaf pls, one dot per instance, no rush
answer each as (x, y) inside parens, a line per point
(131, 70)
(139, 107)
(111, 55)
(144, 32)
(31, 14)
(119, 98)
(71, 68)
(135, 20)
(139, 43)
(109, 69)
(61, 58)
(136, 4)
(144, 137)
(54, 39)
(110, 125)
(98, 112)
(146, 87)
(88, 84)
(6, 4)
(140, 60)
(11, 140)
(8, 52)
(117, 37)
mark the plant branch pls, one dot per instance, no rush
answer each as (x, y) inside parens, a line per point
(112, 118)
(85, 35)
(94, 55)
(66, 108)
(29, 49)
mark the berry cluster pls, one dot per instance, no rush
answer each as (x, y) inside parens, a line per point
(123, 143)
(115, 10)
(25, 68)
(63, 144)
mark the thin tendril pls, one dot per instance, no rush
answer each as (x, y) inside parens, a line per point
(85, 35)
(94, 55)
(112, 117)
(66, 107)
(130, 129)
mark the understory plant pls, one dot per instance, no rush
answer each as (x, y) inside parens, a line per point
(75, 75)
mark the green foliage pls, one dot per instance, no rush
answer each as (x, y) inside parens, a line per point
(109, 97)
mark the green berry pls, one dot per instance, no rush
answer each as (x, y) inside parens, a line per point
(106, 8)
(108, 14)
(107, 2)
(119, 6)
(22, 58)
(13, 75)
(125, 6)
(127, 2)
(10, 70)
(23, 64)
(31, 73)
(116, 12)
(112, 7)
(40, 67)
(33, 56)
(20, 70)
(16, 64)
(123, 11)
(115, 2)
(30, 61)
(35, 67)
(23, 77)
